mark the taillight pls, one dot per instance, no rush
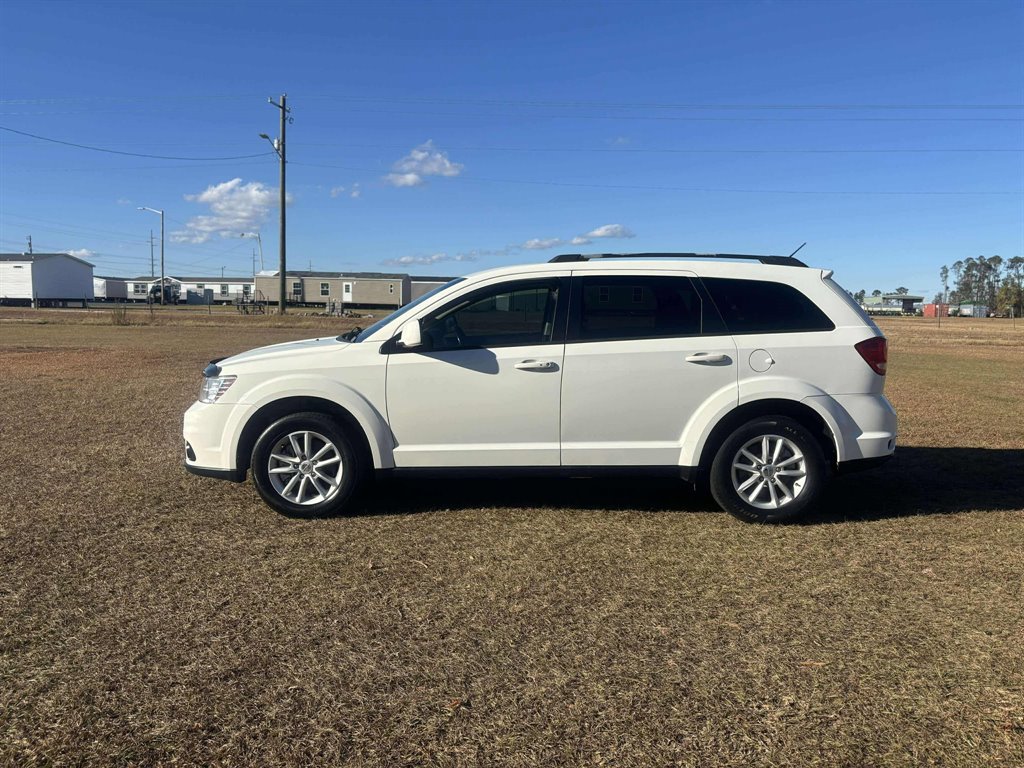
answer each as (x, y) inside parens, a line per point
(875, 352)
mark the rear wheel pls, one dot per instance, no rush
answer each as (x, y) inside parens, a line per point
(769, 470)
(305, 465)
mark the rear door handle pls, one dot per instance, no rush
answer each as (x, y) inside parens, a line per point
(707, 357)
(536, 365)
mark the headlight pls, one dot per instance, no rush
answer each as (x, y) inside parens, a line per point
(212, 388)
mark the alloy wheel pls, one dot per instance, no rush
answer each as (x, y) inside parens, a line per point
(305, 468)
(769, 472)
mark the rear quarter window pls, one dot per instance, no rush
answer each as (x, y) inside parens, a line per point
(760, 306)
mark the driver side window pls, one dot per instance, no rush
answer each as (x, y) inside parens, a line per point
(507, 315)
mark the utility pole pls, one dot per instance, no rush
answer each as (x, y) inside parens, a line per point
(30, 245)
(152, 266)
(155, 210)
(279, 148)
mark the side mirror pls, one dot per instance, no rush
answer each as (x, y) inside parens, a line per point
(411, 336)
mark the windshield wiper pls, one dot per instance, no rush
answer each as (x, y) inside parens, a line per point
(350, 335)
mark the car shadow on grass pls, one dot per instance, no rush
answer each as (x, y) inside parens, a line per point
(928, 481)
(917, 481)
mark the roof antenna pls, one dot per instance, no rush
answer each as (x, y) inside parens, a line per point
(794, 253)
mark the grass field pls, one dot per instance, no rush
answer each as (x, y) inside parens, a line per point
(151, 617)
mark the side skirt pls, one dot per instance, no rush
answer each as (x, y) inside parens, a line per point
(681, 473)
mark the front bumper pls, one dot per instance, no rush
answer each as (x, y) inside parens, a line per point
(210, 436)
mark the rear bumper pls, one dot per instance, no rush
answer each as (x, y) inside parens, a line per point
(232, 475)
(864, 426)
(858, 465)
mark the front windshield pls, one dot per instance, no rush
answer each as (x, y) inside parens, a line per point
(362, 335)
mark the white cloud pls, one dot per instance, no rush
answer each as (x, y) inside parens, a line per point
(433, 258)
(123, 201)
(356, 191)
(337, 191)
(542, 243)
(80, 253)
(606, 231)
(234, 207)
(404, 179)
(421, 162)
(611, 231)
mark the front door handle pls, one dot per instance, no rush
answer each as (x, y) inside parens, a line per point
(536, 365)
(707, 357)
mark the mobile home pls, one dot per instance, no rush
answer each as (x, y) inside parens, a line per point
(34, 279)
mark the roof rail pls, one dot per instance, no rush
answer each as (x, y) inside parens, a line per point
(780, 261)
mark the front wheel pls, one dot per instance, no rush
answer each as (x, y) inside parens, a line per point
(305, 465)
(769, 470)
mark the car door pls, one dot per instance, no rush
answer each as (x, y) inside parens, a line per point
(643, 353)
(483, 390)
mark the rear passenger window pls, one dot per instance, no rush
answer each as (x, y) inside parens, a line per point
(757, 306)
(636, 307)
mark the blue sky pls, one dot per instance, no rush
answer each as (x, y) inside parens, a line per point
(441, 138)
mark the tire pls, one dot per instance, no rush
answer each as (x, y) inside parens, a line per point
(769, 491)
(318, 478)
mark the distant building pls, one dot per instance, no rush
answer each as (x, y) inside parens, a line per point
(109, 288)
(44, 279)
(891, 304)
(226, 290)
(935, 310)
(904, 301)
(422, 285)
(972, 310)
(358, 290)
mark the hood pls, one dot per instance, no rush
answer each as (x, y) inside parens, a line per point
(286, 349)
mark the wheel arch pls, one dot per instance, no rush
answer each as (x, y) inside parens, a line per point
(277, 409)
(794, 409)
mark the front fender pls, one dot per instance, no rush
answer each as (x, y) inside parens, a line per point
(369, 418)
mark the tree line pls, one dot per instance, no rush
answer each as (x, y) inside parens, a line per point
(995, 282)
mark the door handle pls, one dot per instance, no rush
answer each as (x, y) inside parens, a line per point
(707, 357)
(536, 365)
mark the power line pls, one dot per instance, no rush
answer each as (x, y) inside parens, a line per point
(114, 169)
(686, 118)
(130, 154)
(666, 150)
(84, 228)
(660, 105)
(574, 103)
(686, 189)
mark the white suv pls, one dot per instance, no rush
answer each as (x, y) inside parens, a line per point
(761, 378)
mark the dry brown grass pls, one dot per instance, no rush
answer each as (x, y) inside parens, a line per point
(147, 616)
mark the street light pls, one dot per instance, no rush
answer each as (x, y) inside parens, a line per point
(154, 210)
(259, 240)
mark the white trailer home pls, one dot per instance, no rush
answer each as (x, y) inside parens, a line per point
(225, 290)
(44, 279)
